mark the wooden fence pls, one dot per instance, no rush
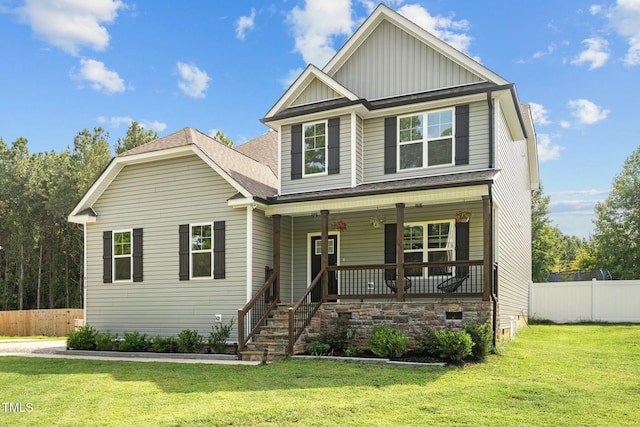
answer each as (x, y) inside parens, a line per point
(51, 323)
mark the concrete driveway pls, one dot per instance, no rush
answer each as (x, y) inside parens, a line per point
(31, 346)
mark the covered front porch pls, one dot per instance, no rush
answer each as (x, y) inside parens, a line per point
(389, 248)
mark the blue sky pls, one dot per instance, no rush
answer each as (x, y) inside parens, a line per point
(74, 64)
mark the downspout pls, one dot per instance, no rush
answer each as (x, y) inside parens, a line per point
(491, 131)
(492, 163)
(84, 274)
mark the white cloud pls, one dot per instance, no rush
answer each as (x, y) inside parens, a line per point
(625, 18)
(193, 81)
(315, 26)
(596, 54)
(586, 111)
(71, 24)
(100, 78)
(117, 121)
(445, 28)
(595, 9)
(550, 49)
(245, 23)
(590, 192)
(539, 114)
(546, 150)
(565, 124)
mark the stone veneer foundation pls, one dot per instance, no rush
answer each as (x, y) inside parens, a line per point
(406, 316)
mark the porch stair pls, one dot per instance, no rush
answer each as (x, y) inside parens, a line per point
(273, 337)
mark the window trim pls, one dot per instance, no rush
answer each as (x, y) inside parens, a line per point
(114, 256)
(426, 140)
(200, 251)
(326, 149)
(425, 241)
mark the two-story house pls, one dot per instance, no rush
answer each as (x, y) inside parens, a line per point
(358, 201)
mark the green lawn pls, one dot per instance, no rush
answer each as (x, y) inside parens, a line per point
(550, 375)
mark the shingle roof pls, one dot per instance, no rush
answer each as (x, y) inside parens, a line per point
(256, 177)
(264, 149)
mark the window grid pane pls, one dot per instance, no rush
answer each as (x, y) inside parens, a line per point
(122, 255)
(201, 250)
(314, 148)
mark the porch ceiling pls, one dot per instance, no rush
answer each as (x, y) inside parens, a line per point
(359, 203)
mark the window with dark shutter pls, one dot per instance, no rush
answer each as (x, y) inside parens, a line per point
(137, 254)
(462, 135)
(183, 251)
(219, 250)
(107, 239)
(390, 250)
(333, 145)
(462, 246)
(296, 152)
(390, 144)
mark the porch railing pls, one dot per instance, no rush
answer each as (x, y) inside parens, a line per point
(254, 315)
(422, 280)
(301, 313)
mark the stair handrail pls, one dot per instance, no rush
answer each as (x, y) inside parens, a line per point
(294, 333)
(242, 312)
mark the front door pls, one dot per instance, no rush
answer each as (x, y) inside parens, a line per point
(316, 264)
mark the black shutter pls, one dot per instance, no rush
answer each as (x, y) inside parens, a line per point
(333, 145)
(218, 250)
(107, 248)
(390, 144)
(183, 251)
(462, 246)
(296, 152)
(462, 135)
(390, 250)
(137, 254)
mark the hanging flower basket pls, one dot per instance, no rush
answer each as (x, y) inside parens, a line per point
(463, 216)
(376, 221)
(339, 225)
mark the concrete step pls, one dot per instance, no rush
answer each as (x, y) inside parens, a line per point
(259, 356)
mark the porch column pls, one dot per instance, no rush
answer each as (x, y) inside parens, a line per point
(324, 258)
(400, 251)
(487, 251)
(276, 256)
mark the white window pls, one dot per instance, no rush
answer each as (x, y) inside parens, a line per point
(122, 256)
(201, 250)
(315, 148)
(419, 149)
(429, 242)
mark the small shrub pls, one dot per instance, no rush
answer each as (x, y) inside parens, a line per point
(388, 342)
(317, 348)
(482, 337)
(426, 341)
(162, 344)
(82, 339)
(219, 336)
(106, 341)
(454, 346)
(189, 341)
(353, 351)
(338, 338)
(133, 341)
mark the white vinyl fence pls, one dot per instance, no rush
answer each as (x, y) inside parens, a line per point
(597, 300)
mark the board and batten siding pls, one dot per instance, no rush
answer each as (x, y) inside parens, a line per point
(373, 152)
(316, 91)
(362, 244)
(158, 197)
(313, 183)
(391, 62)
(512, 196)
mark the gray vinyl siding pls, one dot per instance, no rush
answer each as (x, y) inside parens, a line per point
(392, 62)
(373, 153)
(158, 197)
(359, 150)
(363, 244)
(316, 91)
(313, 183)
(286, 286)
(262, 248)
(512, 194)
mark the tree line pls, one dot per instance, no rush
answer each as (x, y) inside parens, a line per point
(41, 260)
(615, 243)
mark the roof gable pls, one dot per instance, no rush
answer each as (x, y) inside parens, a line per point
(247, 175)
(392, 50)
(310, 87)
